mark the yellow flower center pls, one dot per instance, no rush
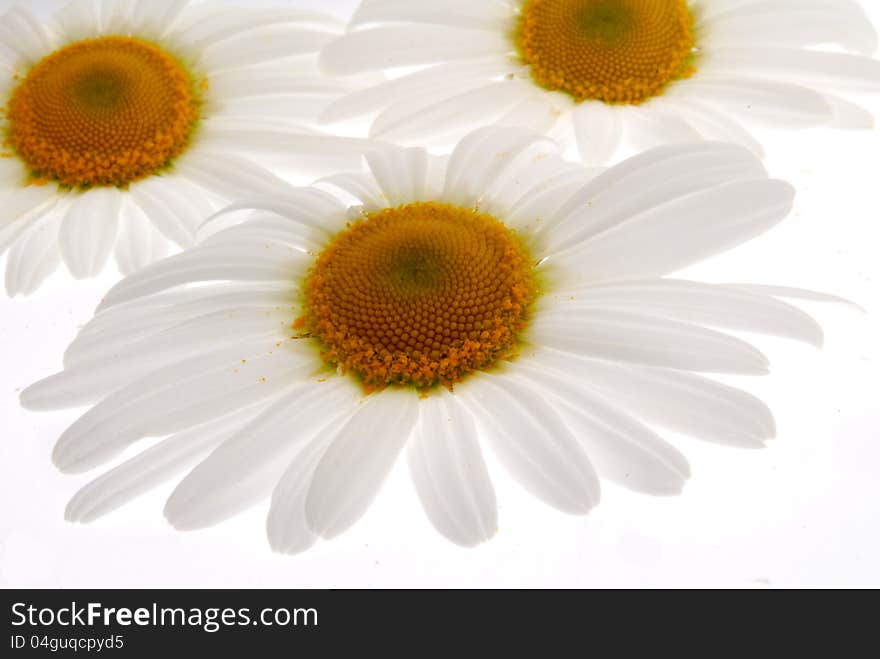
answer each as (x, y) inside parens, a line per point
(616, 51)
(102, 112)
(420, 295)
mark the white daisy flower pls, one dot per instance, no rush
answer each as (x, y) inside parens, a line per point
(504, 297)
(122, 124)
(603, 73)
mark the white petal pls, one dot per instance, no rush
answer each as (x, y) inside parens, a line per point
(227, 175)
(645, 339)
(175, 207)
(88, 381)
(175, 398)
(656, 175)
(25, 34)
(793, 24)
(352, 471)
(598, 129)
(449, 474)
(487, 14)
(793, 293)
(138, 243)
(401, 173)
(716, 124)
(705, 304)
(623, 450)
(704, 224)
(808, 67)
(265, 261)
(203, 29)
(482, 157)
(849, 115)
(276, 42)
(286, 525)
(410, 45)
(410, 121)
(119, 328)
(532, 443)
(613, 199)
(78, 20)
(308, 207)
(765, 102)
(362, 186)
(20, 208)
(439, 81)
(150, 468)
(244, 469)
(682, 402)
(153, 18)
(88, 231)
(650, 125)
(34, 256)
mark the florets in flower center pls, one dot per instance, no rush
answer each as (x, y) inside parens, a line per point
(616, 51)
(420, 295)
(102, 112)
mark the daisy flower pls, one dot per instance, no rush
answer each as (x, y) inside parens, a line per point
(122, 125)
(602, 73)
(500, 297)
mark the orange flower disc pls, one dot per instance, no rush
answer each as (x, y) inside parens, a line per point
(615, 51)
(102, 112)
(419, 295)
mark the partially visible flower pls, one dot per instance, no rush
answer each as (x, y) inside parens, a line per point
(123, 125)
(504, 297)
(606, 72)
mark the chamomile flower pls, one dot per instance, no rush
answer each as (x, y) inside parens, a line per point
(502, 297)
(603, 73)
(124, 124)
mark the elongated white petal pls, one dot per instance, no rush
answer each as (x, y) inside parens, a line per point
(704, 224)
(410, 45)
(443, 79)
(462, 13)
(449, 474)
(648, 339)
(603, 207)
(694, 302)
(139, 243)
(623, 450)
(263, 261)
(682, 402)
(286, 525)
(228, 176)
(809, 67)
(89, 381)
(480, 158)
(34, 256)
(532, 443)
(410, 121)
(20, 209)
(353, 469)
(175, 398)
(149, 469)
(767, 102)
(119, 328)
(244, 469)
(793, 24)
(88, 231)
(401, 174)
(598, 129)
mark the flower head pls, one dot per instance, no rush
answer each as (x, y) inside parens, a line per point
(123, 126)
(606, 73)
(504, 297)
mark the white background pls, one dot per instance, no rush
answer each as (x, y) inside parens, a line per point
(803, 512)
